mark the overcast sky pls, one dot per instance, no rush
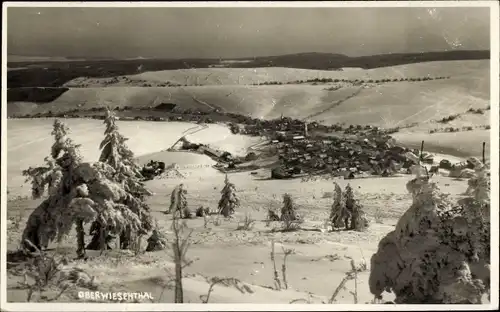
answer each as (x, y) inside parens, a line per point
(242, 32)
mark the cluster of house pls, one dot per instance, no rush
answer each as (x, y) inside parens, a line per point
(271, 128)
(309, 147)
(372, 154)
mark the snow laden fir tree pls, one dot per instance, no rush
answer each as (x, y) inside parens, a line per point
(228, 201)
(115, 153)
(288, 211)
(78, 193)
(359, 222)
(339, 215)
(440, 249)
(346, 211)
(178, 202)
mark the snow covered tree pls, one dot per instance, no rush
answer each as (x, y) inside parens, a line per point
(83, 192)
(115, 153)
(439, 251)
(42, 226)
(229, 200)
(288, 212)
(157, 241)
(178, 202)
(339, 215)
(476, 209)
(355, 209)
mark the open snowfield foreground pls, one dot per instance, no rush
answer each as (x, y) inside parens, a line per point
(244, 254)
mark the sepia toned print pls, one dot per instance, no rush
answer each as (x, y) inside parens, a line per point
(298, 156)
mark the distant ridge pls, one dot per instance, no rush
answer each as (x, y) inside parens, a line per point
(328, 60)
(46, 73)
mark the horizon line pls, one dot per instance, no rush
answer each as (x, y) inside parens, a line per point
(84, 58)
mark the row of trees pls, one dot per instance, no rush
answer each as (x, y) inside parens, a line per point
(228, 202)
(346, 211)
(330, 80)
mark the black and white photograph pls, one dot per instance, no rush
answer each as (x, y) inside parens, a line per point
(226, 155)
